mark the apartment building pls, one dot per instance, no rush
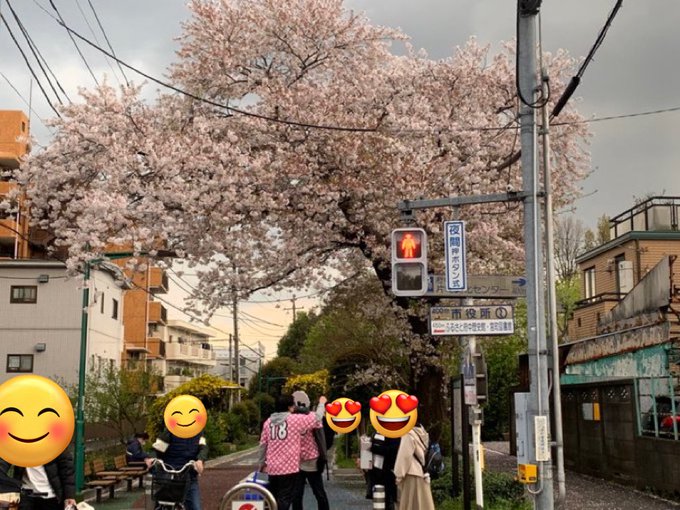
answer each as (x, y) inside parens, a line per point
(180, 351)
(40, 319)
(14, 144)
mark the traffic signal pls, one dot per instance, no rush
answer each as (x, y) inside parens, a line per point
(409, 262)
(481, 377)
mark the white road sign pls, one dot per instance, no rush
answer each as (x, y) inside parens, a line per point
(472, 320)
(480, 286)
(454, 240)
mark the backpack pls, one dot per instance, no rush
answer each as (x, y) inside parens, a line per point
(434, 460)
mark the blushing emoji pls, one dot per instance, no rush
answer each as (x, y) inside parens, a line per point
(343, 415)
(36, 420)
(185, 416)
(393, 413)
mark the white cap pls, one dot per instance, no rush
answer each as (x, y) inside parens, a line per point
(300, 398)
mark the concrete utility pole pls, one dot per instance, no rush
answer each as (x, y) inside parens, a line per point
(293, 308)
(475, 420)
(237, 364)
(539, 404)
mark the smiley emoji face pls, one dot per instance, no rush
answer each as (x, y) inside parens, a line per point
(36, 420)
(343, 415)
(393, 413)
(185, 416)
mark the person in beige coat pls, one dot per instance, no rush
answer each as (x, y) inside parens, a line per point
(412, 481)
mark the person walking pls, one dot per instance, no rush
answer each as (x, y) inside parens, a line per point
(176, 452)
(384, 450)
(52, 484)
(412, 480)
(280, 447)
(134, 449)
(312, 459)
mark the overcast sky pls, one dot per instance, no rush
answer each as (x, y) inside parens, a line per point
(634, 71)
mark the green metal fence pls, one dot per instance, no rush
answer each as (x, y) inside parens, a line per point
(657, 407)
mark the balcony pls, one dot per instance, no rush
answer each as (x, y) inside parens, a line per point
(189, 354)
(158, 280)
(158, 314)
(8, 228)
(170, 382)
(600, 298)
(657, 214)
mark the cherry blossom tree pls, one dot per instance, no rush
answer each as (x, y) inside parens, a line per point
(287, 171)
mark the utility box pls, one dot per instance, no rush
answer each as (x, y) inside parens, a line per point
(527, 470)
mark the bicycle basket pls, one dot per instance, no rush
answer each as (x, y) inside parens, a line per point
(170, 488)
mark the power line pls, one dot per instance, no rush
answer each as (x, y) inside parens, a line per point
(106, 38)
(9, 30)
(89, 26)
(204, 100)
(61, 20)
(42, 121)
(34, 50)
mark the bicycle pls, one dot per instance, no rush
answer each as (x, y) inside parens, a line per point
(169, 486)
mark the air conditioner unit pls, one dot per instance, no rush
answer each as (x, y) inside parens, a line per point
(625, 272)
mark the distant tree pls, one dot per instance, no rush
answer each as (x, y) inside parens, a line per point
(569, 233)
(600, 236)
(272, 376)
(568, 294)
(119, 397)
(291, 343)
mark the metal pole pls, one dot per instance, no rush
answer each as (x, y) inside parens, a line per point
(552, 299)
(537, 351)
(237, 361)
(80, 411)
(455, 484)
(465, 441)
(475, 421)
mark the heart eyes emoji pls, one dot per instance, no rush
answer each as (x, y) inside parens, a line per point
(380, 404)
(334, 408)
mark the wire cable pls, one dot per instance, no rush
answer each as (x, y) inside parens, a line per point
(36, 53)
(228, 108)
(94, 36)
(63, 23)
(106, 38)
(42, 121)
(42, 89)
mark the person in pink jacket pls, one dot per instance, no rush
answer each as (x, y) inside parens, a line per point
(280, 447)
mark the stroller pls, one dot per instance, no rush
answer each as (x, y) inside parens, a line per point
(169, 486)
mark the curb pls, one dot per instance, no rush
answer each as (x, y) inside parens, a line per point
(230, 457)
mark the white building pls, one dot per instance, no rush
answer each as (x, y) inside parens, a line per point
(251, 359)
(185, 352)
(41, 318)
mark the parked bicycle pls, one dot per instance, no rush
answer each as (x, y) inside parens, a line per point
(169, 486)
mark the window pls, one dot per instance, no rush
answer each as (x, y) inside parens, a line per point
(114, 312)
(617, 260)
(101, 305)
(23, 294)
(589, 282)
(20, 363)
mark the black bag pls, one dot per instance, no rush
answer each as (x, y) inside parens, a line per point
(434, 460)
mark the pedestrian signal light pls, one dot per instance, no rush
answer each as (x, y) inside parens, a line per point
(409, 262)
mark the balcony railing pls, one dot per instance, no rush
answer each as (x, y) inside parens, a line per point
(158, 280)
(157, 313)
(655, 214)
(600, 298)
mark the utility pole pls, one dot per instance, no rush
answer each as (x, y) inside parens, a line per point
(538, 407)
(475, 418)
(237, 366)
(552, 298)
(230, 370)
(293, 308)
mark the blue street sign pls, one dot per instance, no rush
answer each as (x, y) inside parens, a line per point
(454, 245)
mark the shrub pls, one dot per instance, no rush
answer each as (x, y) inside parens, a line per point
(315, 384)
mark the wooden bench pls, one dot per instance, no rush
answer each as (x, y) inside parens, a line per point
(133, 472)
(100, 484)
(101, 471)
